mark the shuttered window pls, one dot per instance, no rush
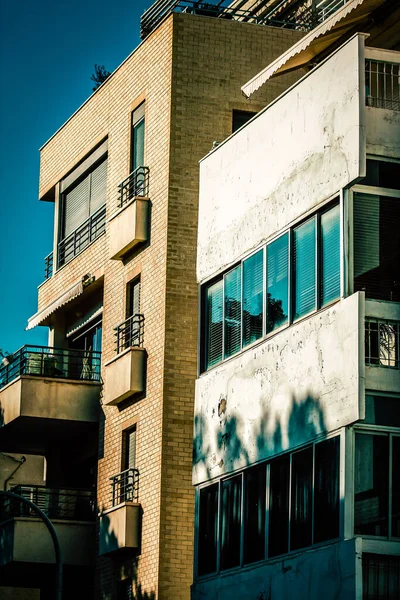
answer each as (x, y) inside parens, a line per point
(83, 199)
(278, 281)
(133, 301)
(253, 284)
(330, 256)
(304, 241)
(377, 246)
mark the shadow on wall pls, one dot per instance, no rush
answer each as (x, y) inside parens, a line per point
(227, 440)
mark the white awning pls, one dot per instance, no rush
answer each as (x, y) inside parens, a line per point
(319, 39)
(89, 316)
(40, 317)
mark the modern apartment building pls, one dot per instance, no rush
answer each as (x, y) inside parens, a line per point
(297, 404)
(108, 405)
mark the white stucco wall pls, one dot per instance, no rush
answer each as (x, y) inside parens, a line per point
(294, 154)
(330, 573)
(305, 380)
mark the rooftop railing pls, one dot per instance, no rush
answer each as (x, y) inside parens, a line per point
(382, 82)
(136, 185)
(382, 343)
(83, 235)
(57, 503)
(43, 361)
(125, 487)
(48, 266)
(130, 333)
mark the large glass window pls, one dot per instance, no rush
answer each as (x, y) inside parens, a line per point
(301, 499)
(254, 514)
(330, 256)
(214, 317)
(326, 490)
(233, 311)
(253, 286)
(208, 530)
(304, 253)
(279, 506)
(230, 522)
(278, 281)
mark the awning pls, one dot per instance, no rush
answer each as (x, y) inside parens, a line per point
(89, 316)
(40, 317)
(341, 22)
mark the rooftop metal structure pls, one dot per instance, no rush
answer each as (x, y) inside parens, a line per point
(291, 14)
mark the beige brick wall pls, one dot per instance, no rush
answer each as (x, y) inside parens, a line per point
(189, 72)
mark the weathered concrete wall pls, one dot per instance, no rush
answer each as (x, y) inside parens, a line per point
(297, 152)
(281, 393)
(383, 132)
(328, 573)
(31, 471)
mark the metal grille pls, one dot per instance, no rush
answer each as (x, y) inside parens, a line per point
(136, 185)
(382, 343)
(382, 82)
(381, 577)
(130, 333)
(79, 239)
(125, 486)
(56, 503)
(48, 266)
(42, 361)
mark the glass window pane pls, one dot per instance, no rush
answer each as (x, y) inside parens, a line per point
(371, 485)
(330, 255)
(254, 514)
(395, 487)
(278, 278)
(381, 577)
(326, 490)
(304, 268)
(138, 145)
(208, 530)
(279, 506)
(253, 298)
(382, 410)
(214, 324)
(301, 499)
(230, 522)
(233, 312)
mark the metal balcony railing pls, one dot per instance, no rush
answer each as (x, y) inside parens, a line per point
(135, 185)
(125, 487)
(382, 84)
(382, 343)
(326, 8)
(84, 235)
(48, 266)
(130, 333)
(57, 503)
(42, 361)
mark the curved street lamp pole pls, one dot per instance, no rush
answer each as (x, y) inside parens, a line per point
(53, 533)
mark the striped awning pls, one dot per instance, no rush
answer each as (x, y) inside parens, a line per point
(40, 317)
(341, 22)
(96, 311)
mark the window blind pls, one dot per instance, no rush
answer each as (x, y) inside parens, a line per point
(330, 256)
(76, 206)
(277, 285)
(214, 312)
(253, 284)
(304, 268)
(233, 311)
(98, 187)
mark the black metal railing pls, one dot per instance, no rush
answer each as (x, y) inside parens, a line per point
(57, 503)
(326, 8)
(382, 343)
(84, 235)
(48, 266)
(125, 487)
(136, 185)
(382, 84)
(42, 361)
(130, 333)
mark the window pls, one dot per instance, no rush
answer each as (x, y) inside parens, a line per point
(382, 343)
(82, 205)
(381, 577)
(233, 305)
(302, 509)
(240, 118)
(129, 449)
(88, 339)
(137, 138)
(377, 246)
(382, 410)
(382, 173)
(376, 485)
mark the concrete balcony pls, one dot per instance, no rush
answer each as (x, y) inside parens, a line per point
(47, 395)
(126, 372)
(120, 526)
(129, 226)
(26, 539)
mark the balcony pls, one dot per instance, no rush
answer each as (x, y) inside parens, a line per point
(84, 235)
(129, 226)
(25, 538)
(382, 346)
(126, 372)
(48, 266)
(47, 394)
(120, 525)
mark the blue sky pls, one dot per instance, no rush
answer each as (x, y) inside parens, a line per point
(47, 55)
